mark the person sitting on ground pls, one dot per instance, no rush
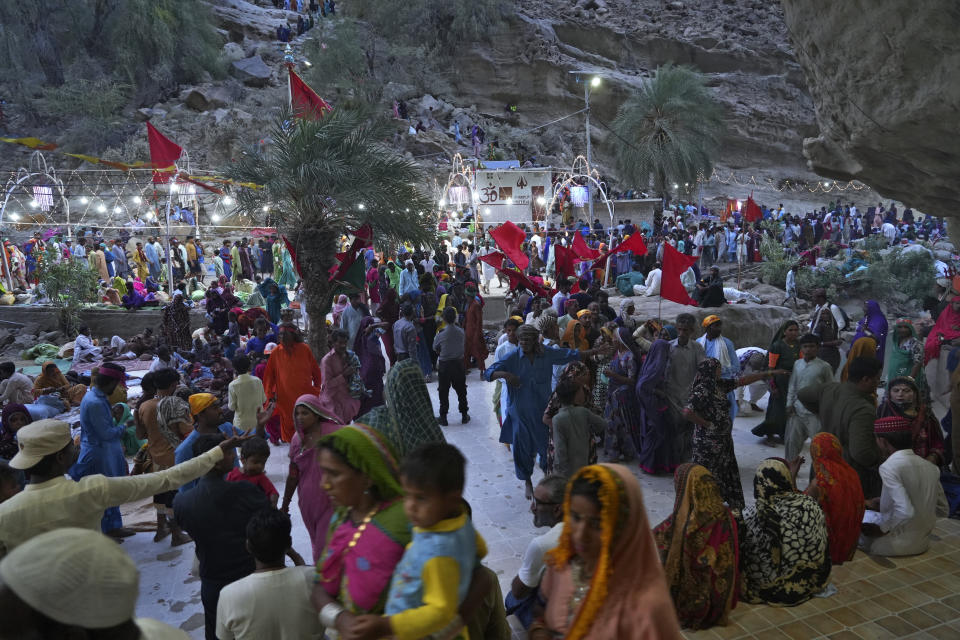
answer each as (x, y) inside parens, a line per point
(84, 349)
(254, 454)
(836, 486)
(10, 481)
(900, 521)
(604, 578)
(433, 576)
(215, 514)
(783, 549)
(74, 583)
(905, 400)
(274, 600)
(574, 426)
(699, 550)
(547, 507)
(46, 454)
(52, 380)
(17, 387)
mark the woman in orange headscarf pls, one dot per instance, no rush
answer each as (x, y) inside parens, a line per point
(699, 549)
(604, 579)
(865, 347)
(575, 335)
(291, 372)
(836, 486)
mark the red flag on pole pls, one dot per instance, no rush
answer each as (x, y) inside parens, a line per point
(494, 259)
(362, 238)
(751, 210)
(634, 243)
(581, 249)
(674, 264)
(509, 237)
(304, 101)
(164, 153)
(564, 261)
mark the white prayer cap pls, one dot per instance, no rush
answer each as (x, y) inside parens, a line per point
(74, 576)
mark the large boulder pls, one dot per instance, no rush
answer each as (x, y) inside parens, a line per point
(233, 52)
(747, 324)
(205, 98)
(252, 71)
(886, 99)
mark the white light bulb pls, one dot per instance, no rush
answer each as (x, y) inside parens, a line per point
(266, 207)
(117, 209)
(101, 208)
(137, 200)
(14, 216)
(487, 211)
(361, 207)
(509, 201)
(215, 218)
(443, 203)
(228, 201)
(34, 204)
(595, 81)
(541, 201)
(84, 200)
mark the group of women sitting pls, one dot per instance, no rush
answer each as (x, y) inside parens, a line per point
(780, 552)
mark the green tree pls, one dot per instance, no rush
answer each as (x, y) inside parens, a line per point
(68, 285)
(325, 178)
(669, 131)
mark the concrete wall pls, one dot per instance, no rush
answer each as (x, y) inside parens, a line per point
(102, 322)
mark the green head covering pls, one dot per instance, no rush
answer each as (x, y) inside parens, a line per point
(370, 453)
(407, 420)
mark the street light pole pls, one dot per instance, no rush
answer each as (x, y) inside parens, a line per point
(586, 101)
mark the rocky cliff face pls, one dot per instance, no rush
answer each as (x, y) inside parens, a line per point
(885, 82)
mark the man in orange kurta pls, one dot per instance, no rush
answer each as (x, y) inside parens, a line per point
(291, 372)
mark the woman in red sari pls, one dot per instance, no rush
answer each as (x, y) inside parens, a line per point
(699, 550)
(836, 486)
(291, 372)
(475, 347)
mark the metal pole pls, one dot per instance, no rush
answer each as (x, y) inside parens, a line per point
(173, 182)
(586, 100)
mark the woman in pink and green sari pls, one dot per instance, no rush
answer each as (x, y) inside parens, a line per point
(369, 530)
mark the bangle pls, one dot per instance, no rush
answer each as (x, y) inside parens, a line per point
(329, 613)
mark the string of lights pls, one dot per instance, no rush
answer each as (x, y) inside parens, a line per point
(824, 186)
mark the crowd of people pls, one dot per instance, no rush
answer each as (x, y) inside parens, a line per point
(583, 388)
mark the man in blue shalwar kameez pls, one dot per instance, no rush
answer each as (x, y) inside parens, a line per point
(101, 441)
(723, 350)
(529, 372)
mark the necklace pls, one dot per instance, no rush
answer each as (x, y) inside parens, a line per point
(360, 529)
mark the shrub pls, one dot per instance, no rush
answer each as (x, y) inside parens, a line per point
(68, 285)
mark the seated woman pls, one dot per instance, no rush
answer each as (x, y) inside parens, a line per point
(133, 299)
(904, 400)
(699, 550)
(783, 546)
(836, 486)
(13, 418)
(52, 380)
(604, 579)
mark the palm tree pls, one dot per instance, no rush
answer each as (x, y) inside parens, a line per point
(670, 130)
(324, 178)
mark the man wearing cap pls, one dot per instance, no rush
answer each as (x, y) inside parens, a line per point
(206, 414)
(52, 500)
(529, 371)
(101, 440)
(900, 521)
(721, 348)
(73, 583)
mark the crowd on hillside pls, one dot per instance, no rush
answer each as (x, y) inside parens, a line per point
(583, 389)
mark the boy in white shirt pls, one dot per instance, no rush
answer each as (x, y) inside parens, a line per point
(274, 600)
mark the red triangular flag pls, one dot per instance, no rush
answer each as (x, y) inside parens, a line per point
(582, 250)
(509, 237)
(293, 253)
(362, 238)
(304, 101)
(494, 259)
(634, 243)
(674, 264)
(751, 210)
(164, 153)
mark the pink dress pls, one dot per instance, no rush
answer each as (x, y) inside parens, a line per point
(315, 505)
(335, 388)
